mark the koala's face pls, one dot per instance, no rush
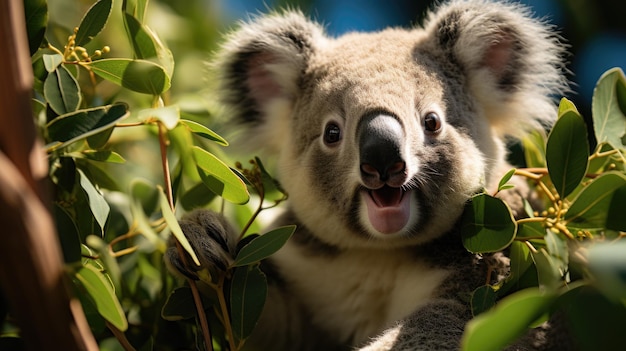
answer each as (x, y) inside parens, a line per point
(383, 145)
(381, 138)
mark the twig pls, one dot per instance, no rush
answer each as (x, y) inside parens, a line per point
(120, 336)
(181, 253)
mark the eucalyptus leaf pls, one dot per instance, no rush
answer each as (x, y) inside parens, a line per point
(144, 226)
(99, 156)
(93, 22)
(567, 152)
(204, 132)
(172, 223)
(247, 298)
(146, 44)
(593, 205)
(483, 299)
(105, 262)
(81, 124)
(218, 177)
(510, 319)
(137, 75)
(52, 61)
(502, 185)
(103, 295)
(263, 246)
(137, 8)
(549, 272)
(609, 118)
(168, 115)
(36, 12)
(487, 225)
(69, 236)
(179, 305)
(98, 206)
(62, 91)
(534, 149)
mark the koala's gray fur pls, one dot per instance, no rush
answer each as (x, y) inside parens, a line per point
(380, 139)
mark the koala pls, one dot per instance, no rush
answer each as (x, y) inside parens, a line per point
(380, 139)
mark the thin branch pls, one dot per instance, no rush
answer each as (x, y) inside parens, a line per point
(120, 336)
(163, 142)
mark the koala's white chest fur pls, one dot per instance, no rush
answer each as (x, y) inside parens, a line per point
(357, 294)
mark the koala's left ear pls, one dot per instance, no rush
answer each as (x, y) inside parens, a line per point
(513, 63)
(260, 70)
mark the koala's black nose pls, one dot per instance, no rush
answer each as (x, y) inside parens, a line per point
(380, 139)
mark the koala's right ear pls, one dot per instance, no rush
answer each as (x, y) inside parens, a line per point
(260, 70)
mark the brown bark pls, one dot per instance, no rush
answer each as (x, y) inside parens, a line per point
(32, 274)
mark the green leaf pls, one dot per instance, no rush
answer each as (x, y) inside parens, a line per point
(503, 182)
(62, 91)
(534, 149)
(549, 271)
(93, 22)
(530, 230)
(168, 115)
(510, 319)
(556, 245)
(52, 61)
(198, 196)
(137, 8)
(137, 75)
(263, 246)
(103, 295)
(179, 305)
(146, 43)
(269, 183)
(218, 177)
(68, 234)
(247, 298)
(105, 262)
(204, 132)
(567, 152)
(172, 223)
(99, 156)
(36, 12)
(98, 206)
(565, 106)
(487, 225)
(138, 188)
(79, 125)
(609, 118)
(595, 207)
(483, 299)
(98, 140)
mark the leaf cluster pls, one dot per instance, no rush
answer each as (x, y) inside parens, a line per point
(567, 253)
(114, 231)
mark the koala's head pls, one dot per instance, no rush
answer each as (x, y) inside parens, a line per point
(381, 138)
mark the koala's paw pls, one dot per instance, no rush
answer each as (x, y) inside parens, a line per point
(211, 238)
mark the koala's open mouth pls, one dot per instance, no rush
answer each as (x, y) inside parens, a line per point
(388, 208)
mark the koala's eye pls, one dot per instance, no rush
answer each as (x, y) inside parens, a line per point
(332, 133)
(432, 122)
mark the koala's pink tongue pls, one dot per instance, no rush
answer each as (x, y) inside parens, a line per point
(388, 209)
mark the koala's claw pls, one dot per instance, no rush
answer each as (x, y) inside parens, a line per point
(210, 236)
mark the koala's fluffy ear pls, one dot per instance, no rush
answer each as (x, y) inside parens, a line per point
(260, 71)
(513, 63)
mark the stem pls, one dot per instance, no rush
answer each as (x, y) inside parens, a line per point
(531, 220)
(206, 333)
(225, 315)
(120, 336)
(261, 193)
